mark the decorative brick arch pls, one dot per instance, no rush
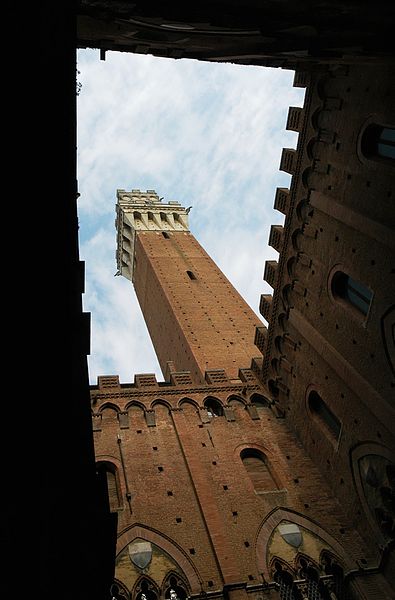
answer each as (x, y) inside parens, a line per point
(163, 542)
(109, 406)
(270, 523)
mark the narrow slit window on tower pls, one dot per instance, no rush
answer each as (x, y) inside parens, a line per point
(353, 292)
(322, 413)
(191, 275)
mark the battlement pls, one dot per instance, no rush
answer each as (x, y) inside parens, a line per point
(143, 211)
(147, 382)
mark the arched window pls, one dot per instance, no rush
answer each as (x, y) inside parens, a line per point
(322, 413)
(259, 401)
(114, 496)
(118, 591)
(255, 463)
(285, 581)
(146, 590)
(175, 590)
(378, 141)
(351, 291)
(214, 408)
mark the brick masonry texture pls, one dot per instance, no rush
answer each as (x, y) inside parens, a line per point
(183, 466)
(199, 324)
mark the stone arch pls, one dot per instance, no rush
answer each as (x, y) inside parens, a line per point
(135, 404)
(109, 415)
(304, 211)
(119, 591)
(276, 562)
(178, 583)
(274, 518)
(162, 410)
(236, 398)
(137, 415)
(213, 405)
(109, 406)
(166, 544)
(188, 402)
(301, 560)
(145, 584)
(160, 402)
(257, 398)
(296, 239)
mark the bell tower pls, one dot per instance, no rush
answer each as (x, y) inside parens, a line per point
(196, 318)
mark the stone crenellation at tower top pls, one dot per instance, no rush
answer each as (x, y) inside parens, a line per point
(143, 211)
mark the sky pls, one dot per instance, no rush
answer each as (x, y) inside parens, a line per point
(208, 135)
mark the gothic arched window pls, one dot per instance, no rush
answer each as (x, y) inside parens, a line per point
(146, 590)
(285, 581)
(259, 401)
(214, 407)
(174, 590)
(256, 465)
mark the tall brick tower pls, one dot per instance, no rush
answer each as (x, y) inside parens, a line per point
(196, 318)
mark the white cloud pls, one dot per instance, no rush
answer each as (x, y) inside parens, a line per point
(208, 135)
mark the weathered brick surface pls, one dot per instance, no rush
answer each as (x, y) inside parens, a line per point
(211, 489)
(198, 324)
(340, 218)
(183, 468)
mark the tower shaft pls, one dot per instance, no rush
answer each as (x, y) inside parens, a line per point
(196, 319)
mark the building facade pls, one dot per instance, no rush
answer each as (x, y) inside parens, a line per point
(216, 488)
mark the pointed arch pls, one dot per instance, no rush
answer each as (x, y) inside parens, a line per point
(274, 518)
(110, 406)
(135, 404)
(173, 580)
(259, 400)
(213, 406)
(279, 564)
(166, 544)
(236, 398)
(147, 586)
(188, 402)
(119, 591)
(160, 402)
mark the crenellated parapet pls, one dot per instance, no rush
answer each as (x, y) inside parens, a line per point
(265, 306)
(139, 211)
(270, 273)
(276, 237)
(260, 338)
(294, 119)
(288, 160)
(281, 201)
